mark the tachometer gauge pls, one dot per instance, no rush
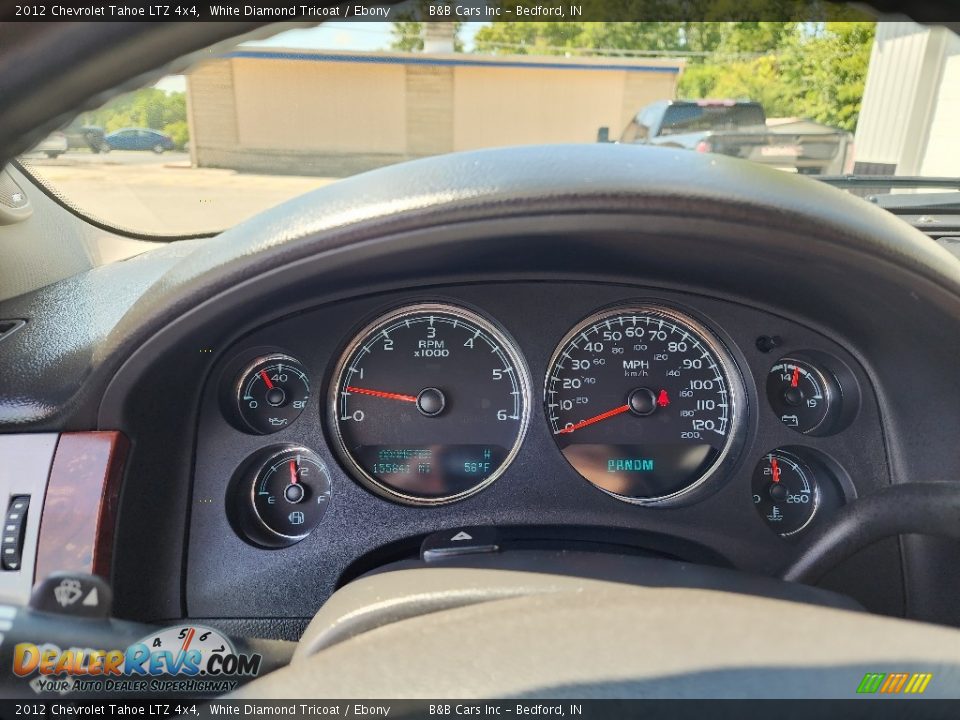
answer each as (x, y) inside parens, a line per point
(429, 404)
(785, 492)
(644, 402)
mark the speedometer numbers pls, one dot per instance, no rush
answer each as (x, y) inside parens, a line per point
(429, 404)
(644, 402)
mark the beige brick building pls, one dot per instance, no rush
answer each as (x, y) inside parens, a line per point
(332, 113)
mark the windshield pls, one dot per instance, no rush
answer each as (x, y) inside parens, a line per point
(252, 126)
(702, 117)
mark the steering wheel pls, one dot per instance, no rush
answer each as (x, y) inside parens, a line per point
(535, 628)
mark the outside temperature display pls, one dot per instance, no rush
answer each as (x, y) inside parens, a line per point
(643, 402)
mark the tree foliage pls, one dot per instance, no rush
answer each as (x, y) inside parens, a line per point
(795, 69)
(146, 108)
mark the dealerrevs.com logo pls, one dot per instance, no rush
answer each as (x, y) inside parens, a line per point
(191, 658)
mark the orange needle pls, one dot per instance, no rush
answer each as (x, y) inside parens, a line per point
(381, 394)
(594, 419)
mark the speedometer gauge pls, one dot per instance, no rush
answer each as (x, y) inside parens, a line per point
(644, 402)
(429, 404)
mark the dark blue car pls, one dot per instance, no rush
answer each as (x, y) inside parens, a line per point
(139, 139)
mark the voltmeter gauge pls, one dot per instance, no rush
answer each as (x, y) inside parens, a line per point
(271, 392)
(786, 492)
(805, 397)
(282, 495)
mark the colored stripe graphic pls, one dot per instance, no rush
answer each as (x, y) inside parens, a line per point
(894, 683)
(871, 682)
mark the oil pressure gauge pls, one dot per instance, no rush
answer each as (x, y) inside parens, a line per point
(271, 392)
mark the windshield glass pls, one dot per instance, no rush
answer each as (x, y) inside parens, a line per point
(251, 126)
(702, 117)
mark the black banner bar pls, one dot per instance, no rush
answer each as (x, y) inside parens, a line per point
(854, 709)
(186, 11)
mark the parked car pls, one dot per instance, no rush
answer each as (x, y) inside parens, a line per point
(91, 137)
(738, 128)
(54, 145)
(139, 139)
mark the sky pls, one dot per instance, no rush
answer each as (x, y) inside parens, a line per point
(330, 36)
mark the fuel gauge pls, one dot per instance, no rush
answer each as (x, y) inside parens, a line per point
(282, 495)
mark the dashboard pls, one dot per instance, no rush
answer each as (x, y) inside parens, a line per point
(797, 344)
(690, 426)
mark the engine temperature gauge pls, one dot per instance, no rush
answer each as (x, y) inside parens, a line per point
(785, 492)
(271, 393)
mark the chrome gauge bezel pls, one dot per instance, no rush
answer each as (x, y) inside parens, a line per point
(370, 330)
(829, 391)
(267, 464)
(809, 474)
(246, 372)
(733, 376)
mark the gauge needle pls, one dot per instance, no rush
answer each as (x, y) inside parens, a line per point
(266, 379)
(775, 468)
(594, 419)
(381, 394)
(795, 380)
(293, 472)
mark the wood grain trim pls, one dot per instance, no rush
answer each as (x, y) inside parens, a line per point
(80, 510)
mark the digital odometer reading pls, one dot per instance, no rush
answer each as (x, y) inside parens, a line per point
(430, 404)
(641, 402)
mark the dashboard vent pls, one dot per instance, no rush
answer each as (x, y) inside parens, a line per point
(9, 327)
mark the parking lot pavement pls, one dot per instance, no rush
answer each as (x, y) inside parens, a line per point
(163, 194)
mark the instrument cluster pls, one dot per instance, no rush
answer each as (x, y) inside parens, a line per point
(429, 401)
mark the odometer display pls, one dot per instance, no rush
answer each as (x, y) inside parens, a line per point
(429, 404)
(643, 402)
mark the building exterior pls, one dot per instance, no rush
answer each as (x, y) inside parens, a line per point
(335, 113)
(911, 103)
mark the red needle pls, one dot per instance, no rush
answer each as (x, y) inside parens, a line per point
(266, 379)
(775, 467)
(795, 380)
(381, 394)
(595, 419)
(293, 472)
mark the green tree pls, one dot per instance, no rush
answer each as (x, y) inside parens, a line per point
(813, 74)
(797, 69)
(147, 107)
